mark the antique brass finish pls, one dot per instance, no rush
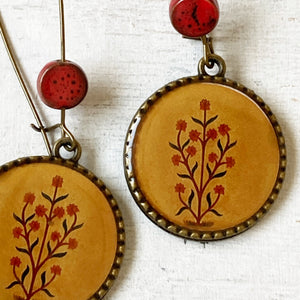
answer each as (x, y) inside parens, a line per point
(130, 173)
(40, 161)
(210, 59)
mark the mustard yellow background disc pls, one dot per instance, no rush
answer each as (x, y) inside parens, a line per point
(61, 232)
(204, 158)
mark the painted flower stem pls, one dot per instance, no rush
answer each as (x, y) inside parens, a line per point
(43, 286)
(201, 190)
(39, 258)
(186, 163)
(60, 243)
(48, 220)
(192, 177)
(209, 208)
(27, 239)
(36, 268)
(19, 280)
(187, 207)
(218, 164)
(213, 163)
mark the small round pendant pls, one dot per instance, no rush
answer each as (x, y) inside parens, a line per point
(62, 230)
(204, 158)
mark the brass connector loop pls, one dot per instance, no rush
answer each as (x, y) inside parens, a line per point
(210, 59)
(70, 146)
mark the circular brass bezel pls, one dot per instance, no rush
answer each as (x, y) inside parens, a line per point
(154, 215)
(120, 249)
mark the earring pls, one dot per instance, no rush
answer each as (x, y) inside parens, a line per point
(64, 234)
(204, 156)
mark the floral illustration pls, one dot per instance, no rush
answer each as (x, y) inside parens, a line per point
(202, 166)
(42, 243)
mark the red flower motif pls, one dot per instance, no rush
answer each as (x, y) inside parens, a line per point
(204, 104)
(72, 244)
(191, 150)
(194, 135)
(55, 236)
(176, 159)
(17, 231)
(212, 157)
(223, 129)
(34, 225)
(15, 261)
(212, 134)
(72, 209)
(181, 125)
(57, 181)
(56, 270)
(40, 210)
(29, 198)
(179, 188)
(59, 212)
(230, 162)
(219, 189)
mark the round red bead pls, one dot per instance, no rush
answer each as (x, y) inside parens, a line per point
(194, 18)
(62, 84)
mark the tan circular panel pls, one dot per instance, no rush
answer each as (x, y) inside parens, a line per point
(206, 157)
(61, 232)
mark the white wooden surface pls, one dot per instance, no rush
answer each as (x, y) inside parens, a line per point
(128, 49)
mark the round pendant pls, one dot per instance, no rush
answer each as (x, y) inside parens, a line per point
(204, 158)
(62, 231)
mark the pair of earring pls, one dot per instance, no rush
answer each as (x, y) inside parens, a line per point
(192, 157)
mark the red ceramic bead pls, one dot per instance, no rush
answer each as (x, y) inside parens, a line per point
(194, 18)
(62, 84)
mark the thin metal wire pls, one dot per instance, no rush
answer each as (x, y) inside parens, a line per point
(23, 85)
(207, 48)
(63, 122)
(63, 58)
(210, 59)
(62, 30)
(65, 131)
(67, 139)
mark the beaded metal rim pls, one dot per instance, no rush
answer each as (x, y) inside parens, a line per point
(111, 277)
(143, 203)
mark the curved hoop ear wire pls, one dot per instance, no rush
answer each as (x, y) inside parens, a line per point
(24, 86)
(67, 139)
(62, 30)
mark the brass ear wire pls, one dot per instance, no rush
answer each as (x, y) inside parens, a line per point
(20, 77)
(62, 30)
(67, 139)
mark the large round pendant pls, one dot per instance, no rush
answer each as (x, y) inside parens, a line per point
(204, 158)
(62, 232)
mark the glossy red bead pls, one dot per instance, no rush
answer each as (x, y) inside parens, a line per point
(62, 84)
(194, 18)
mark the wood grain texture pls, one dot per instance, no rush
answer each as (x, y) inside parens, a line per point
(128, 49)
